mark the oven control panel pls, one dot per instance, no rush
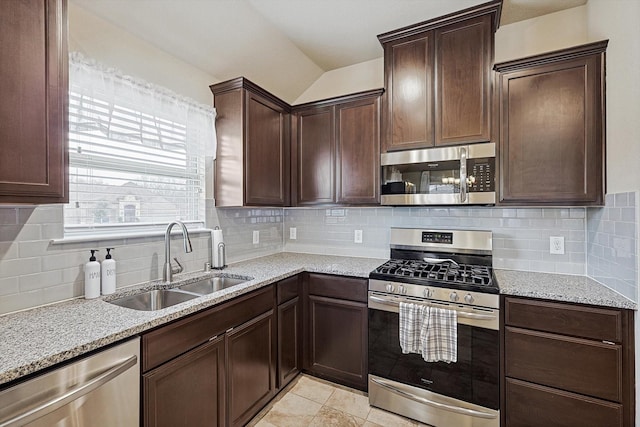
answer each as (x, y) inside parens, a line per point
(437, 237)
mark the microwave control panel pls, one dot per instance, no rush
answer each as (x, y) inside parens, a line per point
(483, 171)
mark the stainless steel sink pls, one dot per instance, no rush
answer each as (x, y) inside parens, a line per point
(211, 284)
(153, 300)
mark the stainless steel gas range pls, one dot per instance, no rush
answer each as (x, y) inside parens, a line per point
(449, 269)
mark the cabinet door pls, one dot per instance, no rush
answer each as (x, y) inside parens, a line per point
(408, 119)
(288, 341)
(358, 151)
(266, 153)
(33, 108)
(551, 131)
(338, 340)
(316, 156)
(251, 368)
(464, 57)
(187, 391)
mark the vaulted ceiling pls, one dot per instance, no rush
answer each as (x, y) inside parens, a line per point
(284, 45)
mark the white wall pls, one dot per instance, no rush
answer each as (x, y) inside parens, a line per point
(113, 46)
(618, 21)
(542, 34)
(342, 81)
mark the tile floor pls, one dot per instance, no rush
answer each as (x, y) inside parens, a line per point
(311, 402)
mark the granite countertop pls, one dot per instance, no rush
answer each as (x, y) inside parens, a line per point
(39, 338)
(560, 287)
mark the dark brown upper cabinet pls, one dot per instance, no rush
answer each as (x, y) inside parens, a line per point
(34, 164)
(336, 150)
(252, 159)
(438, 80)
(552, 128)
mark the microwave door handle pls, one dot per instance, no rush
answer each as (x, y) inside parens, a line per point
(463, 174)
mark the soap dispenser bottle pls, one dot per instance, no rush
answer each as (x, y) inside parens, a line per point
(92, 277)
(108, 274)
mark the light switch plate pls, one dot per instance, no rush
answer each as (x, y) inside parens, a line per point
(256, 237)
(293, 233)
(556, 245)
(357, 236)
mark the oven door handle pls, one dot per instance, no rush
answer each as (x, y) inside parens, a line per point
(443, 406)
(462, 314)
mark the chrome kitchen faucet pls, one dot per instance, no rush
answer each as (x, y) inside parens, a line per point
(167, 271)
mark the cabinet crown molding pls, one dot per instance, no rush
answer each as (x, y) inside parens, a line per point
(553, 56)
(244, 83)
(493, 8)
(338, 99)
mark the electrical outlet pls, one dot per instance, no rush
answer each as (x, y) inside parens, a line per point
(556, 245)
(357, 236)
(256, 237)
(293, 233)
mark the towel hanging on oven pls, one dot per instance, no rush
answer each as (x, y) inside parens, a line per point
(439, 336)
(429, 331)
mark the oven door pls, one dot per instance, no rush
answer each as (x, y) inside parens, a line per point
(469, 387)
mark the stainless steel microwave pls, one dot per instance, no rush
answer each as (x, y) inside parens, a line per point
(457, 175)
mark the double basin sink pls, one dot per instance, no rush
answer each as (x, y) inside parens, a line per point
(158, 299)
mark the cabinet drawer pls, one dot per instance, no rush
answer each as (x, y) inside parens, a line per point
(532, 405)
(568, 319)
(287, 289)
(167, 342)
(573, 364)
(349, 288)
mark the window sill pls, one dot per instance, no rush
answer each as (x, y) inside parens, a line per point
(105, 237)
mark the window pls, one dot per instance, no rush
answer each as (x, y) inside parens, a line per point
(136, 153)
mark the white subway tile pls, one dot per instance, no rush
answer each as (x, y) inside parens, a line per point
(29, 282)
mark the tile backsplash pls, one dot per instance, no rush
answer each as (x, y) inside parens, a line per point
(600, 242)
(612, 243)
(33, 271)
(521, 236)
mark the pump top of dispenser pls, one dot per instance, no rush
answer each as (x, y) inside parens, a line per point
(93, 256)
(108, 253)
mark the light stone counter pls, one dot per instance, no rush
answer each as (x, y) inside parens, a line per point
(38, 338)
(560, 287)
(42, 337)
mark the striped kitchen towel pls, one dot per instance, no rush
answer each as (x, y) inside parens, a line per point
(439, 335)
(411, 320)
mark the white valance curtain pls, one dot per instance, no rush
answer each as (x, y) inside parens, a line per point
(136, 151)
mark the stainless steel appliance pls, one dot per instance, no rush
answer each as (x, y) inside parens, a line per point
(441, 268)
(459, 175)
(102, 390)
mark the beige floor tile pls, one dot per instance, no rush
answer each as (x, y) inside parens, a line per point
(370, 424)
(352, 403)
(387, 419)
(292, 411)
(263, 423)
(332, 417)
(313, 389)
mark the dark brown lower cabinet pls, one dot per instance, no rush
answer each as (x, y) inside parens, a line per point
(336, 345)
(288, 341)
(187, 391)
(214, 368)
(251, 368)
(567, 365)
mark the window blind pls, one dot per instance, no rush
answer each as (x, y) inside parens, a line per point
(136, 154)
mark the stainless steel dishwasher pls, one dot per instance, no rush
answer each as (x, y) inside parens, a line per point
(98, 391)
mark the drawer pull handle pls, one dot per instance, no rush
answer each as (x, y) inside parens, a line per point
(608, 342)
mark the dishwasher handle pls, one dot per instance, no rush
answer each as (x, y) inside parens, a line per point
(71, 395)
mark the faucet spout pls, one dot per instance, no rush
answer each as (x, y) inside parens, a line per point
(167, 271)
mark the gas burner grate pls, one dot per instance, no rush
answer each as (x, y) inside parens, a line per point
(446, 272)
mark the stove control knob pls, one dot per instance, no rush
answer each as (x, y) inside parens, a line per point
(428, 293)
(402, 289)
(390, 288)
(453, 296)
(468, 298)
